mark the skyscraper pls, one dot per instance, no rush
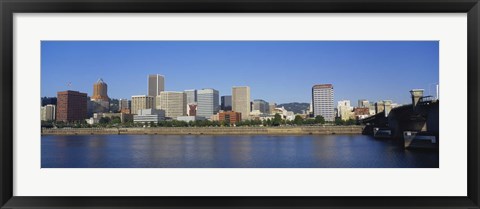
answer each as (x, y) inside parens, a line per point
(344, 109)
(191, 96)
(226, 103)
(48, 113)
(241, 100)
(363, 103)
(207, 102)
(100, 97)
(173, 102)
(123, 104)
(71, 106)
(156, 84)
(322, 101)
(141, 102)
(261, 105)
(271, 107)
(100, 90)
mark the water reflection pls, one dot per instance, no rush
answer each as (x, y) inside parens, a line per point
(192, 151)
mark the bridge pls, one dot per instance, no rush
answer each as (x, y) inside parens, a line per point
(422, 116)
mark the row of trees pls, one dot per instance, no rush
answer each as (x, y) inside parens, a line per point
(277, 120)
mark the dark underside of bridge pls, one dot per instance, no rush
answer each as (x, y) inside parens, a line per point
(423, 118)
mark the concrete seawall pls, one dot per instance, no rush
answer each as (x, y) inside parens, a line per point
(310, 130)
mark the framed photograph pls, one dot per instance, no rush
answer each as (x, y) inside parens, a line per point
(239, 104)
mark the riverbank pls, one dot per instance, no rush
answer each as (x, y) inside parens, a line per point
(290, 130)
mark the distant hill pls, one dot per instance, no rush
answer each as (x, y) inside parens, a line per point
(295, 107)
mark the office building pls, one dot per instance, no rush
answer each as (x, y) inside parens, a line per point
(100, 89)
(379, 107)
(124, 104)
(226, 103)
(156, 84)
(149, 115)
(71, 106)
(207, 102)
(173, 102)
(261, 106)
(344, 109)
(190, 118)
(191, 96)
(361, 112)
(100, 97)
(271, 107)
(230, 117)
(241, 100)
(322, 101)
(363, 103)
(141, 102)
(48, 112)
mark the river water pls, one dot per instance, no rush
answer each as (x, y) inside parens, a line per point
(203, 151)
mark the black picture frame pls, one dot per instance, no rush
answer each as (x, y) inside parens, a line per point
(9, 7)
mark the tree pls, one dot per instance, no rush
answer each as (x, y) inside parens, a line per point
(277, 120)
(116, 120)
(319, 119)
(339, 121)
(298, 120)
(104, 120)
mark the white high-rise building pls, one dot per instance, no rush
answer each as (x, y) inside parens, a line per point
(191, 96)
(363, 103)
(241, 100)
(173, 102)
(141, 102)
(322, 101)
(207, 102)
(344, 109)
(156, 84)
(48, 112)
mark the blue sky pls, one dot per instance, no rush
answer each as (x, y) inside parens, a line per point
(276, 71)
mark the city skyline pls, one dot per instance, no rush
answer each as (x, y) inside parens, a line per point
(280, 84)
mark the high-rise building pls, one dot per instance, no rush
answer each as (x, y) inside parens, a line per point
(344, 109)
(207, 102)
(379, 107)
(48, 112)
(173, 102)
(124, 104)
(271, 107)
(241, 100)
(191, 106)
(226, 103)
(100, 90)
(141, 102)
(230, 117)
(71, 106)
(322, 101)
(156, 84)
(261, 105)
(363, 103)
(191, 96)
(100, 97)
(148, 116)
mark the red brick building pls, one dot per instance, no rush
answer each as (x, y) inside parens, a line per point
(71, 106)
(192, 110)
(361, 112)
(230, 116)
(125, 110)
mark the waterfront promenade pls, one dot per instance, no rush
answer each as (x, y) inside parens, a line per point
(290, 130)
